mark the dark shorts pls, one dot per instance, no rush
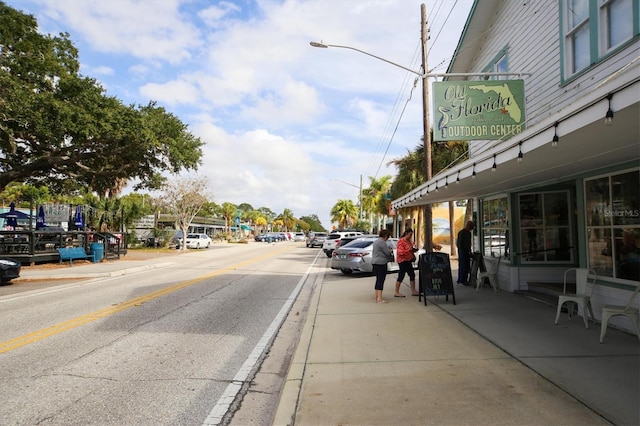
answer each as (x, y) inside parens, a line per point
(381, 273)
(406, 268)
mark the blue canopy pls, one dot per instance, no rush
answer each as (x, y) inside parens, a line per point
(13, 215)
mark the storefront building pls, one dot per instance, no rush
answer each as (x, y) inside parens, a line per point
(562, 190)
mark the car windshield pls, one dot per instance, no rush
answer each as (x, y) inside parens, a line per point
(192, 235)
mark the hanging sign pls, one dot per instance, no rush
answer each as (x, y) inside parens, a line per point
(478, 110)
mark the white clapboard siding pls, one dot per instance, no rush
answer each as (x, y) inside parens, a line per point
(531, 33)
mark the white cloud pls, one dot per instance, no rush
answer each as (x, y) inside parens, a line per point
(281, 120)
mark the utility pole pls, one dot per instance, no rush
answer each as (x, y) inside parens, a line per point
(428, 219)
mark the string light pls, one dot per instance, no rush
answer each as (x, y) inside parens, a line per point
(458, 178)
(520, 153)
(554, 142)
(473, 175)
(608, 118)
(495, 166)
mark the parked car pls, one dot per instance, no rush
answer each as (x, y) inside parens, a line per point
(298, 236)
(9, 269)
(316, 239)
(269, 237)
(355, 256)
(198, 241)
(333, 238)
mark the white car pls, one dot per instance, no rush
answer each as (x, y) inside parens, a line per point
(198, 241)
(334, 238)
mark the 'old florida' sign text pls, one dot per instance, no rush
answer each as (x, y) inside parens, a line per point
(473, 110)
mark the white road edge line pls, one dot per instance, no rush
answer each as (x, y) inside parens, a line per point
(224, 403)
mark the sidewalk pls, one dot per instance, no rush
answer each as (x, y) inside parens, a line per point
(493, 358)
(490, 359)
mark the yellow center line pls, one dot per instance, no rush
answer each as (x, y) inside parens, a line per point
(43, 333)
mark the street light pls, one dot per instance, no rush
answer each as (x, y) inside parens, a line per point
(359, 194)
(428, 231)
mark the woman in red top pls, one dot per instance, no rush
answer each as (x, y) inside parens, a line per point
(404, 257)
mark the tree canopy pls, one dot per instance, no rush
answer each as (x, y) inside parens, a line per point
(60, 129)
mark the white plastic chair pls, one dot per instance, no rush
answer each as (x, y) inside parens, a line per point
(582, 298)
(609, 311)
(491, 275)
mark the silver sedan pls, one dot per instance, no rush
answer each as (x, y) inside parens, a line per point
(356, 256)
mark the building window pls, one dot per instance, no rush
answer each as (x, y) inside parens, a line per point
(498, 64)
(616, 23)
(495, 227)
(577, 35)
(593, 28)
(545, 228)
(613, 225)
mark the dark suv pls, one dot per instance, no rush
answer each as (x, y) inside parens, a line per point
(316, 239)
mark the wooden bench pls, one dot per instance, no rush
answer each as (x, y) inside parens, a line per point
(70, 253)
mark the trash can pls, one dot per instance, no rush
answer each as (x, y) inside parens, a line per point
(97, 249)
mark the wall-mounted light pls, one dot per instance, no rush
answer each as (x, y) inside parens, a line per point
(436, 186)
(446, 181)
(520, 153)
(554, 141)
(495, 166)
(608, 118)
(458, 178)
(473, 175)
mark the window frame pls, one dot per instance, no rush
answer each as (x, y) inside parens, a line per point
(494, 65)
(540, 229)
(597, 26)
(603, 250)
(492, 227)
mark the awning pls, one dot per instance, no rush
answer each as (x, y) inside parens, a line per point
(585, 144)
(246, 228)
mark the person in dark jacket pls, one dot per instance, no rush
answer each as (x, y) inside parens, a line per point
(463, 242)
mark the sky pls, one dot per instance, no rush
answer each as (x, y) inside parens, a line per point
(285, 125)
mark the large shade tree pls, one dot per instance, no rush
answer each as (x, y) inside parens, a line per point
(60, 129)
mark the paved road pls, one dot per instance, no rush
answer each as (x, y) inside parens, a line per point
(158, 347)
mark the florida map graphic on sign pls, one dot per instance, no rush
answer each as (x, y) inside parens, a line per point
(478, 110)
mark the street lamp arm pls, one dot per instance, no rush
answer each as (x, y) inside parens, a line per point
(346, 183)
(322, 45)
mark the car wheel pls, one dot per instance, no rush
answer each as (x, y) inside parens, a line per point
(208, 244)
(346, 271)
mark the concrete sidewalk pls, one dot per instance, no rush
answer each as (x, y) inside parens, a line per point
(493, 358)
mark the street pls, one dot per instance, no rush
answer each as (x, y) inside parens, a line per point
(159, 347)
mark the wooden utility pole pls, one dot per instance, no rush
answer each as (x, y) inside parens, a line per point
(428, 219)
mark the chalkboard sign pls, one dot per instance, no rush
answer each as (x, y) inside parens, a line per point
(435, 276)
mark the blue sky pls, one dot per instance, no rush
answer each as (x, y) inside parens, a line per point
(286, 125)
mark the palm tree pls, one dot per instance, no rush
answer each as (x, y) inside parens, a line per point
(261, 222)
(374, 199)
(345, 213)
(288, 219)
(228, 210)
(411, 170)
